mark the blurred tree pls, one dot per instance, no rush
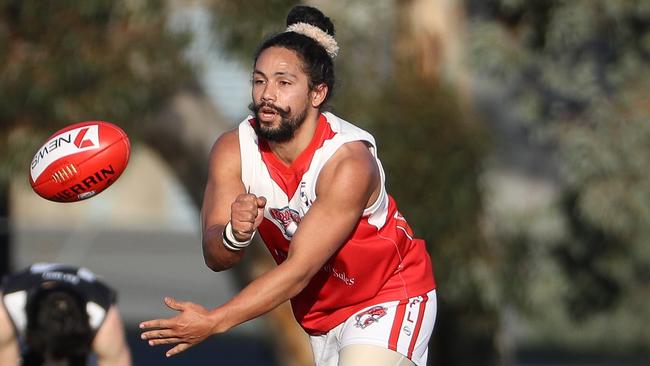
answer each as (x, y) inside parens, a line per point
(574, 74)
(434, 166)
(120, 61)
(241, 26)
(68, 61)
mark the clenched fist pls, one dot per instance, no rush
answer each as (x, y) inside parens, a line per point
(246, 214)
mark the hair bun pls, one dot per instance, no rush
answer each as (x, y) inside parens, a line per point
(310, 15)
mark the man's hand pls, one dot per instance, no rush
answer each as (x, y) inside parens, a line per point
(192, 326)
(246, 214)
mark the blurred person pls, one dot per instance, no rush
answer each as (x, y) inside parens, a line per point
(54, 314)
(360, 283)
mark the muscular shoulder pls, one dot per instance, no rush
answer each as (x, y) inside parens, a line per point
(353, 156)
(352, 168)
(225, 151)
(226, 143)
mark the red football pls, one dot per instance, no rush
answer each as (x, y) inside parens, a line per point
(79, 161)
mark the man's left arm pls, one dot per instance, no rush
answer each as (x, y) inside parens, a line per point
(345, 187)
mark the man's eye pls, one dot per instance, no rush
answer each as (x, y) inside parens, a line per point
(258, 82)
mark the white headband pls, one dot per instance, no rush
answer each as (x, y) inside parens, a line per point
(321, 37)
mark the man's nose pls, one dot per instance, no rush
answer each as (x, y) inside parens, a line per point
(269, 93)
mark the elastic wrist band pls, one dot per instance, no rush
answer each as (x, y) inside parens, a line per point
(230, 242)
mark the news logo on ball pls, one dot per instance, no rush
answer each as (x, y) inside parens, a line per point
(79, 161)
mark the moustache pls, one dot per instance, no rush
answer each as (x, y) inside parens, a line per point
(255, 108)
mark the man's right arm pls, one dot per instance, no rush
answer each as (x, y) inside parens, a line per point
(223, 186)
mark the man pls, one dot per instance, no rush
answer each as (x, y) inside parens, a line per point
(359, 282)
(57, 315)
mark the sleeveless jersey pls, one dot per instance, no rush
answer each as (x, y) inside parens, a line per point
(19, 288)
(381, 261)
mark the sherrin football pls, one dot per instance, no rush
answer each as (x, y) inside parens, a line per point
(79, 161)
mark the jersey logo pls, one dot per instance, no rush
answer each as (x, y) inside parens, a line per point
(287, 219)
(370, 316)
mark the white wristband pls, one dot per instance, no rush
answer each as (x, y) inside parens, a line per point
(230, 242)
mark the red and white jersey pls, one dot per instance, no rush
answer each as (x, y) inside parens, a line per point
(381, 261)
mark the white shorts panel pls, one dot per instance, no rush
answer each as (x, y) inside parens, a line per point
(404, 327)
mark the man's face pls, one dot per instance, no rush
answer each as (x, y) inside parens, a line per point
(280, 94)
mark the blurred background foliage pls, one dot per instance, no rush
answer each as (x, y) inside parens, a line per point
(574, 74)
(514, 135)
(69, 61)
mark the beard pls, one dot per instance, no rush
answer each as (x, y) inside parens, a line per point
(289, 123)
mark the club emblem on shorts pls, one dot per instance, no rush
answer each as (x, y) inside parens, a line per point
(370, 316)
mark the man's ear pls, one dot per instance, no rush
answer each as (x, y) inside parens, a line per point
(318, 95)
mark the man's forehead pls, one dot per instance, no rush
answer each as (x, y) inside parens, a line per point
(279, 62)
(279, 73)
